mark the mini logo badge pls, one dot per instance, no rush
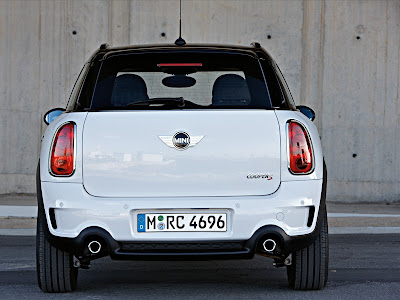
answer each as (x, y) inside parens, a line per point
(181, 140)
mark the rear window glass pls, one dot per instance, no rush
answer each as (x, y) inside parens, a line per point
(180, 81)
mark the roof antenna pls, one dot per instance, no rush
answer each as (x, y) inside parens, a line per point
(180, 41)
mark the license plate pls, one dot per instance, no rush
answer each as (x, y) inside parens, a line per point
(181, 222)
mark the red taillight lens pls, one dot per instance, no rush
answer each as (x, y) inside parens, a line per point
(62, 153)
(300, 152)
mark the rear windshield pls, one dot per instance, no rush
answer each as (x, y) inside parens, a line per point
(180, 81)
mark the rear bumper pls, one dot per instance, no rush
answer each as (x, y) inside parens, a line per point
(283, 216)
(75, 210)
(184, 250)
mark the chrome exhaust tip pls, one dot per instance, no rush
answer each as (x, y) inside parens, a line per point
(94, 247)
(269, 245)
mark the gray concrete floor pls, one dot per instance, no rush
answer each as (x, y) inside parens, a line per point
(360, 267)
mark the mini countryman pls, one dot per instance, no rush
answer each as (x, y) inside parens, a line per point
(181, 152)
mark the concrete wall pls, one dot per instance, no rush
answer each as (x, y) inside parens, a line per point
(340, 57)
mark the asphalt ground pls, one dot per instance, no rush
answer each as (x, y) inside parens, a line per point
(361, 267)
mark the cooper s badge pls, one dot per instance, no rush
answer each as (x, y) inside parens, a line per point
(267, 176)
(181, 140)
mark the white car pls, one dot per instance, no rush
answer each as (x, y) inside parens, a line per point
(181, 152)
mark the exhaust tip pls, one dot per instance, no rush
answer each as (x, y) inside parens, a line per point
(94, 247)
(269, 245)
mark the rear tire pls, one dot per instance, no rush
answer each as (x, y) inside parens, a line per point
(55, 268)
(309, 268)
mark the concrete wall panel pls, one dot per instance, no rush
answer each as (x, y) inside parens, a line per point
(360, 84)
(148, 19)
(339, 57)
(18, 55)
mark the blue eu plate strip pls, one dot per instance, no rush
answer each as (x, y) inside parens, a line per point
(141, 223)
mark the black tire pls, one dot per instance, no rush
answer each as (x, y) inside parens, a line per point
(55, 270)
(309, 268)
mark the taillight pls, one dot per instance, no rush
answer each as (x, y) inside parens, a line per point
(300, 151)
(180, 65)
(62, 153)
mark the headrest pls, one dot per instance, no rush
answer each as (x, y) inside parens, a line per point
(230, 89)
(128, 88)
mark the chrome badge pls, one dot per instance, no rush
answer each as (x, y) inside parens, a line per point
(266, 176)
(181, 140)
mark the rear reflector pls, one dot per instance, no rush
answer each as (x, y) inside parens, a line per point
(311, 212)
(62, 153)
(53, 218)
(300, 151)
(180, 65)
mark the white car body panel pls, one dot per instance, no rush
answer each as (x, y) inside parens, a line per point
(123, 155)
(250, 204)
(76, 210)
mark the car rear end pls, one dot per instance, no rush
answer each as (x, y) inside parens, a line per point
(182, 153)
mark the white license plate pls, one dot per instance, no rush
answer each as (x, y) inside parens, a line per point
(181, 222)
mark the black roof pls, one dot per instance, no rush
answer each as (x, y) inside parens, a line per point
(253, 48)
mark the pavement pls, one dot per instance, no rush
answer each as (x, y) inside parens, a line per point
(360, 267)
(18, 217)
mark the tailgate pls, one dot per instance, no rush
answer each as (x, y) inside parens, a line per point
(126, 153)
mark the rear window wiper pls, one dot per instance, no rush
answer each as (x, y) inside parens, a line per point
(180, 101)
